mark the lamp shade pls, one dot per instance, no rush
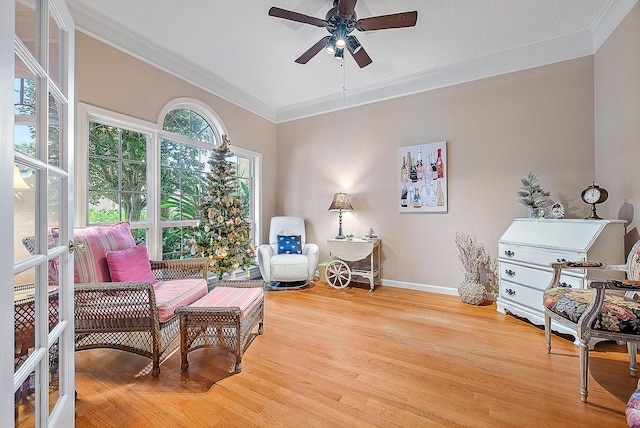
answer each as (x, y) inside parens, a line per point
(340, 202)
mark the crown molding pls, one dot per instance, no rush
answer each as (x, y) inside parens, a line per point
(538, 54)
(534, 55)
(611, 16)
(108, 31)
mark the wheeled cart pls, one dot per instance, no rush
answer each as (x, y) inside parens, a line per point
(353, 257)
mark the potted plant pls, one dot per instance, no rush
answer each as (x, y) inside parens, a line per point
(532, 196)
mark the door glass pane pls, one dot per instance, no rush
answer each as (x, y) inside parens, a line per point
(24, 321)
(24, 109)
(25, 403)
(55, 53)
(26, 25)
(24, 210)
(54, 209)
(54, 137)
(54, 375)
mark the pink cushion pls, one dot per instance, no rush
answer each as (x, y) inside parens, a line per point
(91, 265)
(227, 297)
(131, 264)
(177, 292)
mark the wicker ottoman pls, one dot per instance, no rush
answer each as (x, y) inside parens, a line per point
(225, 318)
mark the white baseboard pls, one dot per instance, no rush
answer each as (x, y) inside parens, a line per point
(421, 287)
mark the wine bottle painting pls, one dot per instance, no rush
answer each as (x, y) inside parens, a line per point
(422, 178)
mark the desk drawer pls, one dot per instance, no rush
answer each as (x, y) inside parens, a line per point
(522, 295)
(536, 256)
(534, 277)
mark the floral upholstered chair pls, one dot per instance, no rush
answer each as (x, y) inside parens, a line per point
(595, 312)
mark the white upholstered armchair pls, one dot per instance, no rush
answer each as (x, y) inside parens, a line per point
(288, 261)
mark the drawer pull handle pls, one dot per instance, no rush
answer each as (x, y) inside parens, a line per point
(562, 260)
(564, 285)
(510, 272)
(510, 292)
(509, 253)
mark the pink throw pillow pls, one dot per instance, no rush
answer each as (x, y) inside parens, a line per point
(131, 264)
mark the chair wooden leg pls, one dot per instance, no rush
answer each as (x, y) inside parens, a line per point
(632, 348)
(584, 370)
(547, 332)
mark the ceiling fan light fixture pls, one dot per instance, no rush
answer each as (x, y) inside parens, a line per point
(353, 44)
(341, 36)
(331, 46)
(339, 55)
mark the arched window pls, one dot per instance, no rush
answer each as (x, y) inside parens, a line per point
(186, 145)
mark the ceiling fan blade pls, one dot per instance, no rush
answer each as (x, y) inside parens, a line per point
(361, 56)
(382, 22)
(295, 16)
(346, 7)
(313, 50)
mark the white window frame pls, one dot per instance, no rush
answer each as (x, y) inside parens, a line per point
(88, 113)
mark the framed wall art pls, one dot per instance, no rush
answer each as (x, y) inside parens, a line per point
(422, 178)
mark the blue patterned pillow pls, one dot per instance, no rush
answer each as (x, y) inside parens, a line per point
(289, 244)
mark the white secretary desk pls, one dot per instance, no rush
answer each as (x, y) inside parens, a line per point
(527, 248)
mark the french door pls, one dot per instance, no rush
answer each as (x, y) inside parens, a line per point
(36, 221)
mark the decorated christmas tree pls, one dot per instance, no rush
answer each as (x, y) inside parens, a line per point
(223, 233)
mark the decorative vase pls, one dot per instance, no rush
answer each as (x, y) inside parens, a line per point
(536, 212)
(471, 291)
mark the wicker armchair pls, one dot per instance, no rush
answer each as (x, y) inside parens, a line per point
(133, 316)
(596, 312)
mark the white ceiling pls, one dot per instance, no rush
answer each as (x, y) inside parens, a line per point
(235, 50)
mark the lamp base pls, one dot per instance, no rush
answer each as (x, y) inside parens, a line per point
(340, 237)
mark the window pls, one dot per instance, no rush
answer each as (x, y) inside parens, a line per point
(186, 147)
(153, 175)
(117, 176)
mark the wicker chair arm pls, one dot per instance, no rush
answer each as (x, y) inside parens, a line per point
(236, 283)
(164, 270)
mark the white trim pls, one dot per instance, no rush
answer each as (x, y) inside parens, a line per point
(609, 19)
(546, 52)
(110, 32)
(420, 287)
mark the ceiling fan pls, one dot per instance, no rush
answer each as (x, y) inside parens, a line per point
(340, 21)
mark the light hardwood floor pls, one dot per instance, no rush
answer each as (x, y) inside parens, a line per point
(350, 358)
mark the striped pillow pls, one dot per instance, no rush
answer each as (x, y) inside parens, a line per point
(91, 265)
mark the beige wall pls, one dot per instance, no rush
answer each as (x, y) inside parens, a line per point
(497, 130)
(617, 122)
(110, 79)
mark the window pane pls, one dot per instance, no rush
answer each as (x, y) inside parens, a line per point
(244, 168)
(170, 207)
(26, 403)
(55, 109)
(139, 235)
(103, 174)
(170, 153)
(134, 176)
(134, 145)
(190, 124)
(103, 140)
(134, 206)
(190, 182)
(190, 158)
(54, 375)
(24, 209)
(175, 243)
(24, 321)
(104, 207)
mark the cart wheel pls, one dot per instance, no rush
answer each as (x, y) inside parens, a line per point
(338, 274)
